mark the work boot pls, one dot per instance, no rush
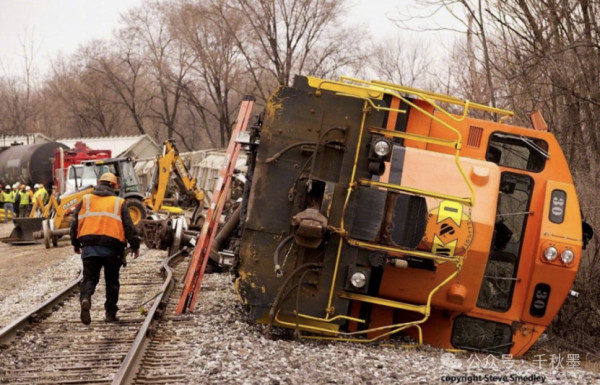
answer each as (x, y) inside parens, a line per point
(111, 317)
(86, 304)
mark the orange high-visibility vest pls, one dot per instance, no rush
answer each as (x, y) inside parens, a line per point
(101, 216)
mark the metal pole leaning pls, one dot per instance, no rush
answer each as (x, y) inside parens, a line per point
(195, 272)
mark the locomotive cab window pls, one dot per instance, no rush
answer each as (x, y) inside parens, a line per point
(480, 334)
(511, 220)
(517, 151)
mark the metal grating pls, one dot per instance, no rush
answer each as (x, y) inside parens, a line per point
(475, 134)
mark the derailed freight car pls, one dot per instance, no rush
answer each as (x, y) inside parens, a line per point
(374, 211)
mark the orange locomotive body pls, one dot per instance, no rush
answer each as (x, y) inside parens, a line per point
(374, 211)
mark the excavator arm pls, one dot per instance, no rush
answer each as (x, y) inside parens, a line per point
(170, 161)
(58, 211)
(38, 203)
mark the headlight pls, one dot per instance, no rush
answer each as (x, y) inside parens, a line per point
(551, 253)
(382, 148)
(567, 256)
(358, 280)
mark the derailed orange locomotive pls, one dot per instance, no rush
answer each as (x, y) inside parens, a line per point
(373, 211)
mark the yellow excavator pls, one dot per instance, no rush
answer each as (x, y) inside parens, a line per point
(167, 227)
(51, 221)
(167, 163)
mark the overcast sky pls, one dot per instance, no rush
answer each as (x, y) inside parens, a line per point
(56, 26)
(60, 26)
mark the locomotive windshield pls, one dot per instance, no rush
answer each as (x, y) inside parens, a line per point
(517, 151)
(513, 210)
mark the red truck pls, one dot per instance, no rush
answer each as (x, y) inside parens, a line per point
(65, 176)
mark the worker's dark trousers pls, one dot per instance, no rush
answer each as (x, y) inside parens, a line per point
(24, 210)
(91, 276)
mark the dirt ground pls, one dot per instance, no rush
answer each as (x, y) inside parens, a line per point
(21, 263)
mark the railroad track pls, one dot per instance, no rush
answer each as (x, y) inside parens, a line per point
(170, 357)
(161, 362)
(51, 346)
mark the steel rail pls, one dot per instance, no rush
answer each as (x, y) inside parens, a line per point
(131, 362)
(9, 332)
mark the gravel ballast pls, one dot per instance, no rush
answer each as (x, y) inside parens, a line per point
(220, 347)
(224, 348)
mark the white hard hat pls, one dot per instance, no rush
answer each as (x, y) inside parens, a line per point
(36, 185)
(7, 187)
(27, 188)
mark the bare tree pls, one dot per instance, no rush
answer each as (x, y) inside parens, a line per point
(285, 37)
(217, 66)
(402, 62)
(123, 70)
(16, 92)
(473, 54)
(168, 61)
(86, 97)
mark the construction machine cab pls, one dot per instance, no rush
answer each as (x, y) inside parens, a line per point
(122, 168)
(129, 187)
(79, 176)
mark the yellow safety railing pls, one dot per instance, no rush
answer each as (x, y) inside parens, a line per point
(430, 96)
(414, 191)
(400, 250)
(392, 328)
(456, 144)
(366, 89)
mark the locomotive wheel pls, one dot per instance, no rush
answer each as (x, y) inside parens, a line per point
(198, 217)
(137, 210)
(178, 233)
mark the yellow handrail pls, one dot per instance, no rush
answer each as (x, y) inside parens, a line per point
(399, 250)
(429, 96)
(395, 327)
(373, 105)
(458, 144)
(389, 91)
(350, 189)
(415, 191)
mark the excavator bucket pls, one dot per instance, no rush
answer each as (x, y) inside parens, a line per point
(23, 232)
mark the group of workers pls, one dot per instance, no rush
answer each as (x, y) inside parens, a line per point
(18, 199)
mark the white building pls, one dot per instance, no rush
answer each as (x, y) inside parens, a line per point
(134, 146)
(16, 140)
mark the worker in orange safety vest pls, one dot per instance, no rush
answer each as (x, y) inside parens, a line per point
(100, 231)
